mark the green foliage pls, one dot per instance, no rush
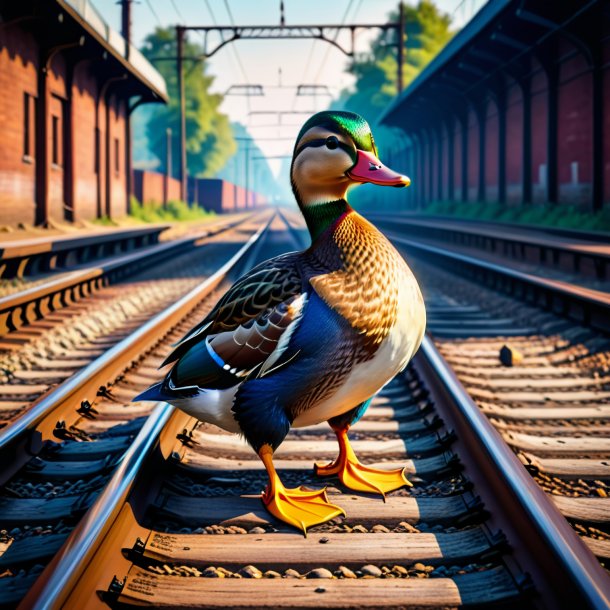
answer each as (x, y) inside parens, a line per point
(427, 31)
(176, 211)
(209, 138)
(550, 215)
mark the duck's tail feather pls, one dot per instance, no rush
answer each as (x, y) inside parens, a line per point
(156, 392)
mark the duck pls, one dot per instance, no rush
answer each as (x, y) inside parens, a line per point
(308, 337)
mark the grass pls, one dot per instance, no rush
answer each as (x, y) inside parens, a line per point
(559, 215)
(175, 211)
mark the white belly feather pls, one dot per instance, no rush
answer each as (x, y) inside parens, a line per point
(393, 355)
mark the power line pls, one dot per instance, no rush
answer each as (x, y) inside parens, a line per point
(241, 66)
(349, 6)
(153, 11)
(312, 47)
(180, 16)
(207, 3)
(236, 54)
(229, 11)
(357, 10)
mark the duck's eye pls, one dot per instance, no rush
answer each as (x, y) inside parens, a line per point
(332, 142)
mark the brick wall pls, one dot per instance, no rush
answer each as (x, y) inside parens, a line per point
(18, 69)
(78, 187)
(84, 93)
(212, 194)
(57, 97)
(149, 187)
(116, 169)
(574, 130)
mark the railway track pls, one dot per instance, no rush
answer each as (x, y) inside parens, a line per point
(542, 380)
(40, 298)
(60, 453)
(49, 350)
(475, 529)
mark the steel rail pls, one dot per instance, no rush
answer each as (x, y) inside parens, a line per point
(541, 528)
(442, 227)
(593, 236)
(79, 548)
(33, 303)
(573, 571)
(24, 437)
(585, 257)
(57, 581)
(17, 256)
(585, 305)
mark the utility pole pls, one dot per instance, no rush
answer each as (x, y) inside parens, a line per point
(168, 164)
(401, 44)
(180, 70)
(126, 33)
(247, 151)
(126, 23)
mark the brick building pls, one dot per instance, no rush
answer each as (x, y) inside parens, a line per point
(68, 84)
(515, 109)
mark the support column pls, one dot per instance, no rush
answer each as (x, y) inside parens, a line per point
(450, 161)
(482, 120)
(501, 106)
(431, 149)
(247, 195)
(439, 148)
(68, 139)
(417, 170)
(552, 188)
(465, 156)
(128, 160)
(182, 130)
(400, 42)
(107, 163)
(526, 169)
(126, 33)
(425, 167)
(597, 194)
(42, 147)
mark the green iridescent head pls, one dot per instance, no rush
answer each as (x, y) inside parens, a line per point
(342, 121)
(334, 151)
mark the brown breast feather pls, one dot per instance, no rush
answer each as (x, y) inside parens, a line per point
(365, 290)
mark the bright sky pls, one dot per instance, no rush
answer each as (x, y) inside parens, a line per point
(260, 61)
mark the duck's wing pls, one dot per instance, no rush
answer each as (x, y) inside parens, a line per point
(246, 331)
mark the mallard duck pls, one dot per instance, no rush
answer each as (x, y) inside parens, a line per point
(309, 336)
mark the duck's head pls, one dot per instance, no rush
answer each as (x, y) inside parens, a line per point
(335, 150)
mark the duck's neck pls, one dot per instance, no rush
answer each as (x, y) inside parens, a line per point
(320, 216)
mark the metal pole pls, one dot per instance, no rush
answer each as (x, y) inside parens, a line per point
(126, 23)
(235, 180)
(126, 33)
(247, 151)
(401, 44)
(168, 164)
(180, 70)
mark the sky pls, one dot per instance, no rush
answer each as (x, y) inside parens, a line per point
(279, 66)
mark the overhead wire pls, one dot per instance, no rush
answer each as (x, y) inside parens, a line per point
(236, 54)
(358, 6)
(180, 16)
(313, 46)
(328, 49)
(153, 11)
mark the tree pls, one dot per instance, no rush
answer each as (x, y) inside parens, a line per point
(427, 31)
(209, 138)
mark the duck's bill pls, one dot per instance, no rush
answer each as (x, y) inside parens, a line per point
(368, 168)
